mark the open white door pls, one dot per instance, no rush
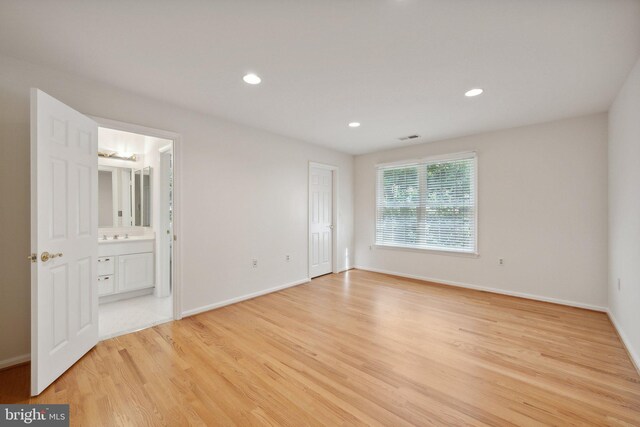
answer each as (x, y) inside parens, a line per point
(320, 221)
(64, 238)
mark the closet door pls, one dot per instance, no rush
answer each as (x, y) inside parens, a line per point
(320, 221)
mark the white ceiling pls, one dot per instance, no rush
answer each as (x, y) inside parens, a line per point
(397, 66)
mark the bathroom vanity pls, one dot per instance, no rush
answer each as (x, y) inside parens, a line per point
(125, 267)
(126, 244)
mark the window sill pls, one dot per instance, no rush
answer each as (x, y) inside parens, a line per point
(430, 251)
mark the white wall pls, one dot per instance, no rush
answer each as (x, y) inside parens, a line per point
(624, 212)
(244, 195)
(542, 200)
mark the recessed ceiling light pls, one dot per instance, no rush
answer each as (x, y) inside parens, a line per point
(252, 79)
(354, 124)
(473, 92)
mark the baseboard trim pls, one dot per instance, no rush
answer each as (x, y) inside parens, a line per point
(487, 289)
(13, 361)
(635, 358)
(230, 301)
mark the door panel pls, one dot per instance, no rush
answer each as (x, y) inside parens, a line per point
(64, 186)
(84, 201)
(320, 221)
(326, 250)
(58, 194)
(85, 293)
(58, 305)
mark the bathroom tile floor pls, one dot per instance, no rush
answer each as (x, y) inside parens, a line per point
(120, 317)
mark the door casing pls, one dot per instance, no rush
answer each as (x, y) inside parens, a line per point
(163, 283)
(176, 271)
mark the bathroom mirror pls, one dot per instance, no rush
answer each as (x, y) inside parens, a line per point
(114, 197)
(142, 197)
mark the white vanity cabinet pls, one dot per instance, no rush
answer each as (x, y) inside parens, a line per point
(125, 266)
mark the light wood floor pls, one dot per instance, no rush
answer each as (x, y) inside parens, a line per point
(356, 348)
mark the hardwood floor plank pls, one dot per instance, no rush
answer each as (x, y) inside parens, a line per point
(356, 348)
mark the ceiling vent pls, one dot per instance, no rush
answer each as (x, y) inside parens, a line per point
(407, 138)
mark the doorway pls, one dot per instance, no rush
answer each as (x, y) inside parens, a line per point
(135, 244)
(322, 219)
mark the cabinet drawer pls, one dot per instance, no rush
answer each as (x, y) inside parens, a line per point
(106, 265)
(106, 285)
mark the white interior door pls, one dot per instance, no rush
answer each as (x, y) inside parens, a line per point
(320, 221)
(64, 238)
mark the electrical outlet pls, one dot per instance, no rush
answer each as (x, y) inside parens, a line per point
(370, 247)
(255, 263)
(618, 284)
(501, 261)
(287, 257)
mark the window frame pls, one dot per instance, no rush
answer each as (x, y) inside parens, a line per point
(423, 161)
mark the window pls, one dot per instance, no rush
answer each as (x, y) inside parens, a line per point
(430, 204)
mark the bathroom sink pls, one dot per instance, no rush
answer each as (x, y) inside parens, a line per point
(110, 239)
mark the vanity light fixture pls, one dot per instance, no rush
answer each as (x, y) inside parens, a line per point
(252, 79)
(118, 156)
(473, 92)
(354, 124)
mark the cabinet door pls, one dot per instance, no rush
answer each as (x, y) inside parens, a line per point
(135, 271)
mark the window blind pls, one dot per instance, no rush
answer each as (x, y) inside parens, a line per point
(428, 205)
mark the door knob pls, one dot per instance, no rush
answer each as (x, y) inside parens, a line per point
(46, 256)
